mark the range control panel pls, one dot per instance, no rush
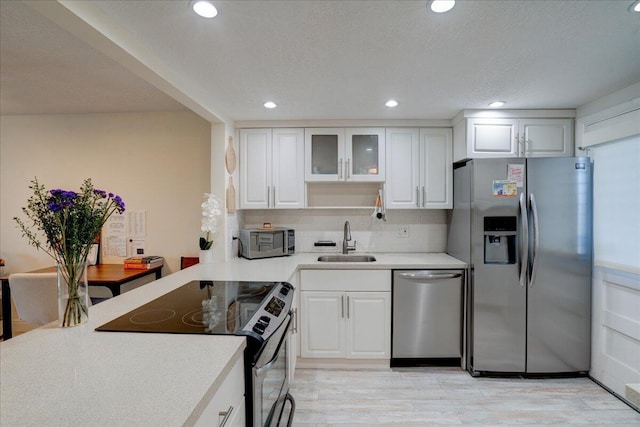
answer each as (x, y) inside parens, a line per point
(272, 312)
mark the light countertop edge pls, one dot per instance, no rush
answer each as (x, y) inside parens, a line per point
(111, 377)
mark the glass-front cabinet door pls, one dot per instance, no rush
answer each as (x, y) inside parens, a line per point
(365, 154)
(324, 154)
(338, 154)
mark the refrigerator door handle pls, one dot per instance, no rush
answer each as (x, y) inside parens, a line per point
(524, 244)
(536, 238)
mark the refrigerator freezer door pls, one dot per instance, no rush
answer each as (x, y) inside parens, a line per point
(559, 289)
(498, 299)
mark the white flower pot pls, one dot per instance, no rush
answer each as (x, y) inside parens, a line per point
(206, 257)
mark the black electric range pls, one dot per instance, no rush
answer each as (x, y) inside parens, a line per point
(260, 311)
(210, 307)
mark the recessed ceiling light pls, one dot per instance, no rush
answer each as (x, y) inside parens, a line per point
(391, 103)
(440, 6)
(204, 8)
(270, 104)
(635, 6)
(496, 104)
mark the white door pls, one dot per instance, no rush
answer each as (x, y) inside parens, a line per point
(255, 168)
(368, 325)
(322, 323)
(436, 176)
(365, 154)
(546, 137)
(324, 154)
(288, 169)
(488, 137)
(403, 167)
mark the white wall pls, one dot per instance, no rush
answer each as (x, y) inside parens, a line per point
(609, 126)
(157, 162)
(427, 228)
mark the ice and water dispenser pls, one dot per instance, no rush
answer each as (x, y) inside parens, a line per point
(500, 239)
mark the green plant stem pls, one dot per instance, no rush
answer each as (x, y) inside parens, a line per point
(74, 309)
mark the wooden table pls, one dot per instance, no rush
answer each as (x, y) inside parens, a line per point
(113, 276)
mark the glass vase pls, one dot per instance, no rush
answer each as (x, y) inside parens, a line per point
(73, 294)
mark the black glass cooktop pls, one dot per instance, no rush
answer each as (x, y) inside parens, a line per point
(198, 307)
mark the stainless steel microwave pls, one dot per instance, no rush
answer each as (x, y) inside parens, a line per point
(266, 243)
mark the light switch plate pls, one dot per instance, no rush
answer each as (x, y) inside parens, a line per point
(403, 231)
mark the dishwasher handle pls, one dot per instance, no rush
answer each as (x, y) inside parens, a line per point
(428, 276)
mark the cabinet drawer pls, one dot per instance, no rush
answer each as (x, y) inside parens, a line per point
(346, 280)
(229, 396)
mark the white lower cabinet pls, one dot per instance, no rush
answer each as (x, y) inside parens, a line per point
(323, 324)
(368, 325)
(345, 324)
(226, 407)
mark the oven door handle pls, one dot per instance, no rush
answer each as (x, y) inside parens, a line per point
(264, 368)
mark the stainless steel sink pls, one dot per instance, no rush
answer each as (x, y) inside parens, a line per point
(346, 258)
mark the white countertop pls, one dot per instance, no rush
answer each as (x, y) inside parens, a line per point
(77, 376)
(384, 261)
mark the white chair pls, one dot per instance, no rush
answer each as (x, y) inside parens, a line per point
(35, 296)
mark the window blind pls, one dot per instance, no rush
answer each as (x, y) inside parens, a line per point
(616, 200)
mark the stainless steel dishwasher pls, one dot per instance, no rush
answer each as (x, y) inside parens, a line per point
(427, 316)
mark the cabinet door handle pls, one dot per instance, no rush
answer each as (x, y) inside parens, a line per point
(348, 174)
(294, 321)
(521, 146)
(347, 306)
(268, 196)
(273, 199)
(424, 197)
(417, 196)
(226, 414)
(342, 303)
(340, 169)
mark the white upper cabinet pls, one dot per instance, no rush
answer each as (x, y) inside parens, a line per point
(365, 154)
(338, 154)
(512, 136)
(436, 171)
(403, 164)
(492, 138)
(420, 168)
(288, 168)
(271, 168)
(325, 151)
(546, 137)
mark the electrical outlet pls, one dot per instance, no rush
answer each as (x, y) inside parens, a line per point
(403, 231)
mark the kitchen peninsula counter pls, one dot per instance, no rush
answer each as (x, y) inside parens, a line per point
(77, 376)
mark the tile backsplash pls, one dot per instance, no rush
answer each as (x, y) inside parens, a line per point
(426, 230)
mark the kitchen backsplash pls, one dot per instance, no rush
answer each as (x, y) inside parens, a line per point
(426, 230)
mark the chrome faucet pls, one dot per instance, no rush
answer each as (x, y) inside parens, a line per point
(347, 238)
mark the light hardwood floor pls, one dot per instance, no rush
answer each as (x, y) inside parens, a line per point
(450, 396)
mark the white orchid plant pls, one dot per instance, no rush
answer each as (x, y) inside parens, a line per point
(210, 212)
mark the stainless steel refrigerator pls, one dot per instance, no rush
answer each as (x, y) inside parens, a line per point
(524, 228)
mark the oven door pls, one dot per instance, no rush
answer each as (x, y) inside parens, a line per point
(270, 379)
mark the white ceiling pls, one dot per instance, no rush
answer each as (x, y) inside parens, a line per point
(46, 70)
(316, 59)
